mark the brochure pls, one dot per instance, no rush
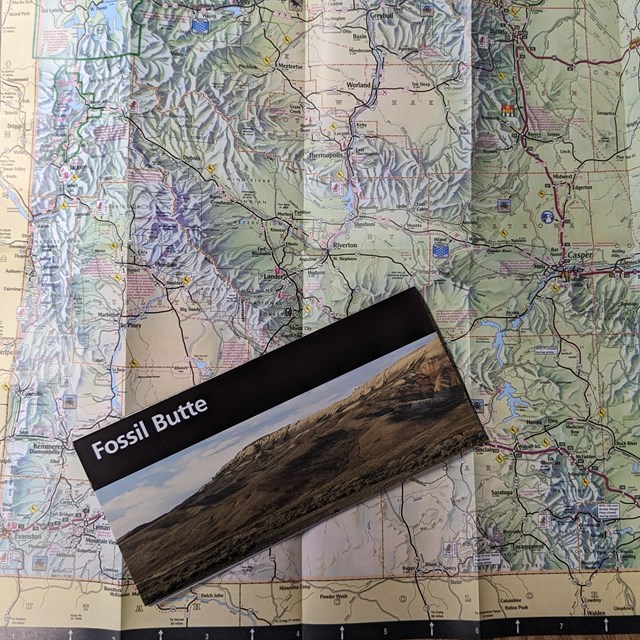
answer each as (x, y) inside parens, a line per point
(279, 444)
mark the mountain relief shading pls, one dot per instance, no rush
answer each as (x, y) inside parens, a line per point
(403, 420)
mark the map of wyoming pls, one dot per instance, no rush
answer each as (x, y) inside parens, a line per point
(188, 185)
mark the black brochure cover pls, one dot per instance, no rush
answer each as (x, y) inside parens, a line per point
(212, 475)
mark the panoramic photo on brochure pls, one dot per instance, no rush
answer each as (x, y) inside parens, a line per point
(289, 467)
(187, 186)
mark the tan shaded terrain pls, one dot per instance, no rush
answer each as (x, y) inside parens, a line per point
(400, 422)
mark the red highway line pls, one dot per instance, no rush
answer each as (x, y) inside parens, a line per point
(595, 63)
(536, 452)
